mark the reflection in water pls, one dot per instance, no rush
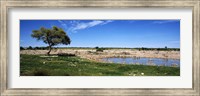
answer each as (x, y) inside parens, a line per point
(145, 61)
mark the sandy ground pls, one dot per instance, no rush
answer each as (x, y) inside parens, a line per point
(93, 55)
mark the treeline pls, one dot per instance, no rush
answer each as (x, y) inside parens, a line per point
(100, 48)
(159, 49)
(140, 49)
(33, 48)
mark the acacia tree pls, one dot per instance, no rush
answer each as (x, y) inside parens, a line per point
(51, 37)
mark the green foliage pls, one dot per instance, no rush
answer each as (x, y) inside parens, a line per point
(21, 48)
(65, 54)
(40, 48)
(40, 72)
(30, 48)
(36, 48)
(97, 47)
(52, 36)
(99, 50)
(34, 65)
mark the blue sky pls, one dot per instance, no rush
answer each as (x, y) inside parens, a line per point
(108, 33)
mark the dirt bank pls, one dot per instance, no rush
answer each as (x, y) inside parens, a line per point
(93, 55)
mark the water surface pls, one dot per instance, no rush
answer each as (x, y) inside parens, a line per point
(144, 61)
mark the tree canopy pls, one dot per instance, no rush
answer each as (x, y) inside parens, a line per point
(52, 36)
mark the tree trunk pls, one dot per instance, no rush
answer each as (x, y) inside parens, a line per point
(48, 53)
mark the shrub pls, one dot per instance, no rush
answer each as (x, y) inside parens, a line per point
(99, 50)
(21, 48)
(30, 48)
(97, 47)
(65, 54)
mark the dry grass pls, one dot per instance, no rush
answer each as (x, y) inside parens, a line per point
(91, 54)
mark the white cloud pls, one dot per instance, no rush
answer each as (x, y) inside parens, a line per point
(62, 23)
(81, 26)
(108, 21)
(165, 21)
(75, 25)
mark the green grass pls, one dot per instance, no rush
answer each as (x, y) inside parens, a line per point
(34, 65)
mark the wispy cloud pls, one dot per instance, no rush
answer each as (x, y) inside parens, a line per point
(63, 24)
(165, 21)
(81, 26)
(131, 21)
(75, 26)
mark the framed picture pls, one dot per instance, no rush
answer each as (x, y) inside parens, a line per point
(121, 47)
